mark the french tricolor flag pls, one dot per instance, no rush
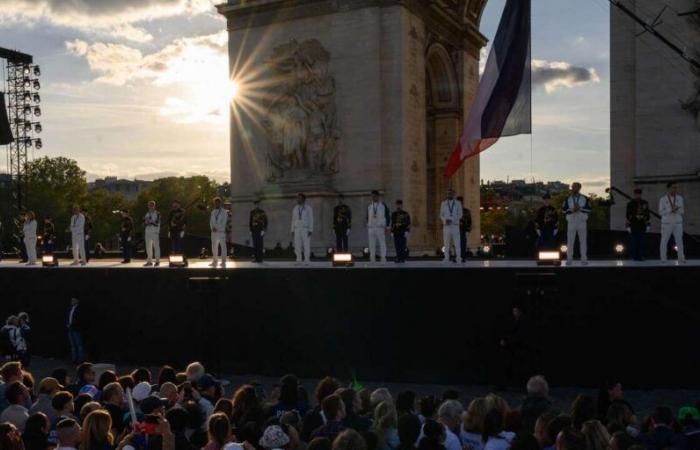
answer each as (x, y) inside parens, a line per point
(503, 103)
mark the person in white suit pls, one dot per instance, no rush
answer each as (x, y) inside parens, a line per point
(77, 231)
(302, 228)
(577, 207)
(378, 223)
(671, 210)
(152, 234)
(217, 224)
(451, 211)
(29, 230)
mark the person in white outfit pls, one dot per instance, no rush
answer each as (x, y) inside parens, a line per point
(29, 230)
(577, 207)
(671, 210)
(378, 223)
(77, 231)
(217, 224)
(451, 211)
(302, 228)
(152, 234)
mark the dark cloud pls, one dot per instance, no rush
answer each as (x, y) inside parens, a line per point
(555, 75)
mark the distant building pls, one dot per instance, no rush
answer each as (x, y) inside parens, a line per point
(521, 189)
(129, 188)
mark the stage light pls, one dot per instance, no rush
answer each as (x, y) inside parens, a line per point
(37, 111)
(38, 144)
(38, 128)
(36, 98)
(487, 249)
(37, 71)
(177, 261)
(619, 249)
(27, 110)
(27, 70)
(27, 97)
(564, 249)
(330, 251)
(28, 127)
(549, 258)
(343, 260)
(49, 261)
(27, 83)
(37, 85)
(365, 252)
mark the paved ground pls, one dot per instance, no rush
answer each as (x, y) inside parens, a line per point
(643, 401)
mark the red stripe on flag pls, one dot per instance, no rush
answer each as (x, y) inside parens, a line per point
(456, 159)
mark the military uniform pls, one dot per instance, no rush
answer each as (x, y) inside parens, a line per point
(465, 227)
(176, 229)
(547, 223)
(48, 238)
(88, 233)
(638, 221)
(400, 227)
(126, 232)
(342, 221)
(258, 226)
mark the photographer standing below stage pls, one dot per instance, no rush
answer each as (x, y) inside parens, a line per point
(342, 221)
(77, 231)
(258, 226)
(450, 215)
(400, 228)
(577, 207)
(547, 223)
(217, 224)
(465, 227)
(638, 223)
(152, 234)
(671, 210)
(126, 232)
(48, 239)
(29, 231)
(378, 222)
(302, 228)
(176, 227)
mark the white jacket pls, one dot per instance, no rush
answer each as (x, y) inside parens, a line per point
(584, 208)
(666, 204)
(152, 221)
(451, 210)
(217, 220)
(302, 218)
(29, 230)
(77, 224)
(377, 214)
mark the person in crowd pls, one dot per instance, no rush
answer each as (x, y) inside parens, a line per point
(126, 231)
(621, 418)
(257, 224)
(166, 374)
(224, 405)
(471, 432)
(577, 207)
(314, 417)
(597, 436)
(62, 403)
(10, 437)
(378, 222)
(151, 222)
(465, 227)
(386, 426)
(671, 210)
(427, 407)
(689, 420)
(17, 334)
(512, 422)
(342, 223)
(29, 230)
(302, 228)
(583, 409)
(352, 405)
(169, 392)
(177, 222)
(47, 388)
(638, 224)
(334, 413)
(555, 426)
(622, 441)
(547, 224)
(68, 433)
(379, 395)
(246, 407)
(571, 439)
(493, 435)
(450, 416)
(219, 432)
(87, 232)
(141, 374)
(85, 375)
(536, 403)
(77, 231)
(48, 236)
(97, 432)
(662, 433)
(541, 426)
(432, 436)
(406, 403)
(349, 440)
(87, 408)
(16, 413)
(400, 229)
(113, 402)
(408, 428)
(451, 211)
(79, 401)
(608, 394)
(289, 399)
(274, 437)
(320, 444)
(217, 224)
(74, 325)
(178, 419)
(524, 441)
(10, 372)
(108, 376)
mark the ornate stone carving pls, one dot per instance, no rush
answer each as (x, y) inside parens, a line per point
(301, 119)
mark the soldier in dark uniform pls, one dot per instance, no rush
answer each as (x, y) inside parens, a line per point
(176, 227)
(547, 225)
(19, 224)
(229, 228)
(48, 238)
(87, 233)
(465, 227)
(400, 228)
(125, 233)
(342, 221)
(638, 222)
(258, 226)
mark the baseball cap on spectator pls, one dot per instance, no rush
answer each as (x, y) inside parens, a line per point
(150, 404)
(141, 391)
(89, 389)
(206, 381)
(274, 437)
(49, 385)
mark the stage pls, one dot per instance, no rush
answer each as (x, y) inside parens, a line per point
(423, 321)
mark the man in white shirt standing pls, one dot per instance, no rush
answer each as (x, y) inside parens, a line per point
(152, 234)
(77, 230)
(450, 214)
(217, 224)
(577, 208)
(378, 222)
(671, 210)
(302, 228)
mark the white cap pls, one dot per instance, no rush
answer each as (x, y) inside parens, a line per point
(141, 391)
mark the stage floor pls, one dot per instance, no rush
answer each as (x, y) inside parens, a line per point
(472, 264)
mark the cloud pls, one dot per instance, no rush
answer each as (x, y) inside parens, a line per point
(556, 75)
(114, 18)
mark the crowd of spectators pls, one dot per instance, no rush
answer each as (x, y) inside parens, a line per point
(191, 410)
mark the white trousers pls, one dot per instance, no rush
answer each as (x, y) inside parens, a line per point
(302, 244)
(581, 229)
(78, 244)
(668, 230)
(30, 245)
(152, 245)
(377, 235)
(450, 236)
(218, 240)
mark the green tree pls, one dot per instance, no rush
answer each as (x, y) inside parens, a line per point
(101, 206)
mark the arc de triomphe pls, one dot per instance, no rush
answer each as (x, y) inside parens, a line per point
(350, 96)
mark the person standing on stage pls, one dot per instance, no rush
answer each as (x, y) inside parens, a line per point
(87, 232)
(29, 229)
(342, 221)
(671, 209)
(258, 227)
(577, 208)
(400, 228)
(176, 227)
(152, 234)
(465, 227)
(638, 223)
(217, 223)
(229, 226)
(77, 231)
(48, 238)
(450, 215)
(378, 222)
(302, 228)
(126, 232)
(547, 223)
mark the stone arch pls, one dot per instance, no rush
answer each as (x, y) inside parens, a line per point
(441, 78)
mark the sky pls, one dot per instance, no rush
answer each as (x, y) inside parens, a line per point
(133, 88)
